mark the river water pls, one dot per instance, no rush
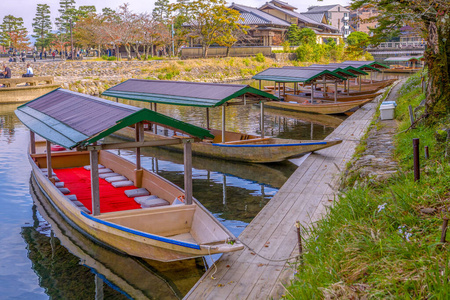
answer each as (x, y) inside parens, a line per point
(41, 257)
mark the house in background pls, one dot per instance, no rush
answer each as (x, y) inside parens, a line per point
(363, 19)
(337, 15)
(317, 22)
(264, 29)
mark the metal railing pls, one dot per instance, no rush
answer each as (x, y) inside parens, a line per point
(399, 45)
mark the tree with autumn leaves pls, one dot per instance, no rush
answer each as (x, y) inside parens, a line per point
(432, 18)
(13, 33)
(210, 21)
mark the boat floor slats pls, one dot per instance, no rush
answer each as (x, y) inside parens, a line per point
(78, 181)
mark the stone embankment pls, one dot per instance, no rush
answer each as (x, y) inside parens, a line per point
(93, 77)
(376, 160)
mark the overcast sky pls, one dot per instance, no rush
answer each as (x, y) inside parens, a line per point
(27, 8)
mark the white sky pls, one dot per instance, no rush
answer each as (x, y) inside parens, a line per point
(27, 8)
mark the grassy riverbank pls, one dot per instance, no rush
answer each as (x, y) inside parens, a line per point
(381, 240)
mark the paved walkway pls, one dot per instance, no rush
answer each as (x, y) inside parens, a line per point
(304, 197)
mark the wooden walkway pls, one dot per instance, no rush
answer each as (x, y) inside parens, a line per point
(304, 197)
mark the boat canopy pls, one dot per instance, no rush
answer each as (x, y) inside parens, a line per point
(71, 119)
(371, 63)
(363, 67)
(297, 75)
(185, 93)
(403, 58)
(338, 71)
(350, 69)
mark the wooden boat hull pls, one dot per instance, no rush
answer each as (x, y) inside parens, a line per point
(404, 71)
(136, 277)
(341, 98)
(132, 231)
(257, 150)
(326, 109)
(325, 120)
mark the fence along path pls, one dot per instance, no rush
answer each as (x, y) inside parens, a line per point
(304, 197)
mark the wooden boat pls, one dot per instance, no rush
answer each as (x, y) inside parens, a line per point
(135, 277)
(155, 227)
(402, 70)
(326, 108)
(226, 144)
(302, 97)
(243, 147)
(325, 120)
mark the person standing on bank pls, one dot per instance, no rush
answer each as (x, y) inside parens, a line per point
(29, 72)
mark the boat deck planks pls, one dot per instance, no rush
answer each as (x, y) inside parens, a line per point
(304, 197)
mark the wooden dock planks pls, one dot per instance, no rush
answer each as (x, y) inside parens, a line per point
(304, 197)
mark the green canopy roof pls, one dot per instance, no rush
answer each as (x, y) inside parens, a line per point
(296, 75)
(183, 92)
(72, 119)
(338, 71)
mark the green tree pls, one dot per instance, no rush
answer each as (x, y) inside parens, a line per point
(161, 11)
(65, 20)
(431, 17)
(307, 36)
(42, 26)
(13, 33)
(210, 21)
(293, 35)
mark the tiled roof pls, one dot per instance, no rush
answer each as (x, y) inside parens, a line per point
(254, 16)
(283, 3)
(325, 8)
(318, 17)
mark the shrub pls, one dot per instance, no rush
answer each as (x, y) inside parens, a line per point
(260, 57)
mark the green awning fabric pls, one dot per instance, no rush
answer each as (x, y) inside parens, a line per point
(183, 93)
(71, 119)
(295, 75)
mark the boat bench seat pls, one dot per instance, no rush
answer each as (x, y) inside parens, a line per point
(112, 179)
(123, 183)
(73, 199)
(151, 201)
(137, 192)
(88, 167)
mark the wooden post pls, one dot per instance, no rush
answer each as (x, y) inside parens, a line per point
(224, 189)
(335, 91)
(348, 87)
(260, 84)
(416, 159)
(324, 87)
(371, 76)
(138, 173)
(223, 123)
(95, 188)
(312, 93)
(49, 159)
(156, 127)
(295, 88)
(32, 143)
(284, 89)
(299, 237)
(117, 99)
(262, 118)
(188, 172)
(427, 154)
(411, 114)
(360, 88)
(207, 118)
(444, 229)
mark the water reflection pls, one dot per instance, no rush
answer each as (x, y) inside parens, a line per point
(90, 270)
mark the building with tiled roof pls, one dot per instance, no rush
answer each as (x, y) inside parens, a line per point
(337, 16)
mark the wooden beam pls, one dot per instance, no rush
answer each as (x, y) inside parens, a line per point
(207, 118)
(223, 123)
(262, 119)
(95, 186)
(188, 172)
(49, 159)
(127, 145)
(32, 142)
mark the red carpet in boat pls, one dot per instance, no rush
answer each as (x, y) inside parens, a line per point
(78, 181)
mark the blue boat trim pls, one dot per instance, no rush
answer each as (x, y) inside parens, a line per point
(143, 234)
(271, 145)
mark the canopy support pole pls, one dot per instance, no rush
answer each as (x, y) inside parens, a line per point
(207, 118)
(32, 142)
(284, 89)
(312, 93)
(260, 84)
(95, 190)
(49, 160)
(156, 127)
(371, 76)
(382, 74)
(262, 119)
(348, 87)
(188, 172)
(139, 137)
(360, 88)
(295, 88)
(324, 87)
(117, 99)
(223, 123)
(335, 91)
